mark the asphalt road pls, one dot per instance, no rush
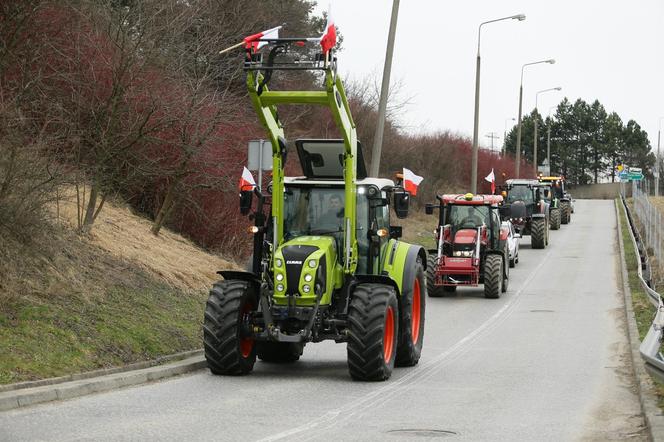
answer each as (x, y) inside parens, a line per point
(546, 361)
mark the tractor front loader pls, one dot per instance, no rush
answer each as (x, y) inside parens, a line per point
(327, 263)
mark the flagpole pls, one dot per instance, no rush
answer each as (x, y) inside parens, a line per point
(223, 51)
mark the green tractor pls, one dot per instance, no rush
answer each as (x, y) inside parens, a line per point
(555, 208)
(559, 188)
(327, 264)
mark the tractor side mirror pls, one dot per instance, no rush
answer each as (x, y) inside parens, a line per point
(396, 232)
(428, 209)
(401, 202)
(246, 197)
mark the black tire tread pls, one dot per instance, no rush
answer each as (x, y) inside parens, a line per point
(433, 290)
(220, 329)
(555, 218)
(538, 233)
(408, 352)
(493, 276)
(366, 323)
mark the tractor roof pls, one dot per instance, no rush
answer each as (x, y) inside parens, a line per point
(469, 199)
(520, 182)
(378, 182)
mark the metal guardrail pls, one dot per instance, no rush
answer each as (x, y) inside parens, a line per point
(650, 347)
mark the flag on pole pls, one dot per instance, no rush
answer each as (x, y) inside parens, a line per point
(252, 41)
(329, 37)
(247, 180)
(492, 179)
(411, 181)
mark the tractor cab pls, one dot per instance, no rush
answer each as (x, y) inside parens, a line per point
(469, 236)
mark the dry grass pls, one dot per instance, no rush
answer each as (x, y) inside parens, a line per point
(169, 257)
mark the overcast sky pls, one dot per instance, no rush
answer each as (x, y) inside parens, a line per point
(608, 50)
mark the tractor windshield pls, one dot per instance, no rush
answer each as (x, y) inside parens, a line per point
(467, 217)
(319, 211)
(520, 193)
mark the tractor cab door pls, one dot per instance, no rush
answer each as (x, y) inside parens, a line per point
(379, 220)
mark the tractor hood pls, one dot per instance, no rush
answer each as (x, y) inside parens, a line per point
(304, 267)
(465, 236)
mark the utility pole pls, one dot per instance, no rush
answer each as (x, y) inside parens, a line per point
(384, 92)
(492, 136)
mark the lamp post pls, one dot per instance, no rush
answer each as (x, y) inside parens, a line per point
(505, 134)
(659, 131)
(548, 139)
(535, 122)
(518, 127)
(473, 173)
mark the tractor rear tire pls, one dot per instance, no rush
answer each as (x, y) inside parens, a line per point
(279, 352)
(373, 322)
(433, 290)
(555, 214)
(538, 233)
(565, 212)
(226, 351)
(493, 276)
(411, 324)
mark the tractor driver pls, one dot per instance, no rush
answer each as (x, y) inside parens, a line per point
(470, 219)
(333, 216)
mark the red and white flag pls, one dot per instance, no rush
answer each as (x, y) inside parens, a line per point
(329, 37)
(411, 181)
(247, 180)
(492, 179)
(252, 41)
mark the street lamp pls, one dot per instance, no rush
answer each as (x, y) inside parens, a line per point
(518, 127)
(535, 136)
(505, 134)
(548, 139)
(473, 174)
(659, 131)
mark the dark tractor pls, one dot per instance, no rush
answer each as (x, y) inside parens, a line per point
(525, 207)
(472, 245)
(559, 189)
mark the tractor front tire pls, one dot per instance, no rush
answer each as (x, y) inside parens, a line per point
(228, 352)
(538, 233)
(493, 276)
(565, 213)
(411, 324)
(555, 218)
(373, 323)
(433, 290)
(506, 270)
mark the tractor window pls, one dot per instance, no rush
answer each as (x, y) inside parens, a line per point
(520, 193)
(466, 216)
(313, 211)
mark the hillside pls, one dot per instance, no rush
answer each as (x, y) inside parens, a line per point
(71, 303)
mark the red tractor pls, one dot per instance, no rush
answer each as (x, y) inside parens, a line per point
(472, 245)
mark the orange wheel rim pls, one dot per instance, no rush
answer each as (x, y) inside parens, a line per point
(388, 335)
(246, 344)
(416, 314)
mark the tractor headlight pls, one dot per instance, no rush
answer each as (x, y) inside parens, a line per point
(312, 263)
(278, 262)
(280, 276)
(306, 288)
(468, 253)
(280, 287)
(457, 253)
(308, 277)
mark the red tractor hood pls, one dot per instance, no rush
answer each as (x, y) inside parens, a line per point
(465, 236)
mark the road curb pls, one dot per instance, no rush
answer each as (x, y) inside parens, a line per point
(68, 387)
(647, 397)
